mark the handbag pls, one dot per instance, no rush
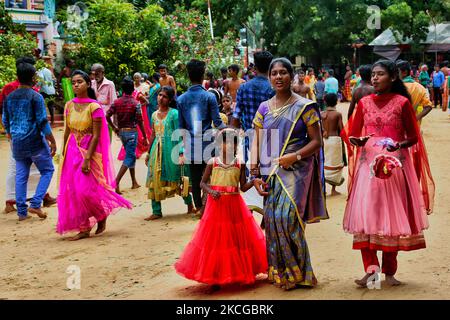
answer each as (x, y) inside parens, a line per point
(184, 184)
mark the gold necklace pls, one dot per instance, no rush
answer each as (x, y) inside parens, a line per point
(277, 109)
(285, 103)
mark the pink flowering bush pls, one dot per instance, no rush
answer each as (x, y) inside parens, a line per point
(191, 39)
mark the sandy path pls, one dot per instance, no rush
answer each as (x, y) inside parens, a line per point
(134, 258)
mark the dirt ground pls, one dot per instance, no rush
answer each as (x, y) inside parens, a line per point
(134, 259)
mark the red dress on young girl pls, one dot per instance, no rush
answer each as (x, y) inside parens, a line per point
(228, 246)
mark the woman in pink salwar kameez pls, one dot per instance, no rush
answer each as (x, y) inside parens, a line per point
(388, 204)
(87, 179)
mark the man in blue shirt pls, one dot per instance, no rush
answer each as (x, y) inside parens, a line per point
(438, 85)
(331, 84)
(251, 94)
(319, 92)
(26, 124)
(198, 109)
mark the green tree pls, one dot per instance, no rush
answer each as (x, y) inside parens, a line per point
(14, 43)
(123, 39)
(324, 29)
(191, 39)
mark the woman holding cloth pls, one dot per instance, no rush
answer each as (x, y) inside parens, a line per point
(287, 168)
(390, 186)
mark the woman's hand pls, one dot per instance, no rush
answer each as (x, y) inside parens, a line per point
(287, 160)
(260, 186)
(361, 141)
(391, 148)
(147, 159)
(86, 167)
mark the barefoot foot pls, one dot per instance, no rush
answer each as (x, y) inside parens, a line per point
(153, 217)
(335, 193)
(118, 190)
(101, 226)
(80, 236)
(9, 208)
(214, 288)
(38, 211)
(135, 186)
(363, 282)
(390, 280)
(191, 209)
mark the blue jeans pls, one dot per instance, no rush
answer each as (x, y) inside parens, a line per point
(129, 141)
(44, 163)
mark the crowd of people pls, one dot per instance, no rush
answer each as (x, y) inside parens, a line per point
(293, 142)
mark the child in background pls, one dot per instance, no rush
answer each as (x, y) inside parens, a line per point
(228, 246)
(227, 108)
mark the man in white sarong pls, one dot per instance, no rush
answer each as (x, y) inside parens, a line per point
(333, 146)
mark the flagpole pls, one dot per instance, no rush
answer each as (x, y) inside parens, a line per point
(210, 20)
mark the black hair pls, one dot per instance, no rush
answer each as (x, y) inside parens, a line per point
(320, 77)
(228, 134)
(145, 76)
(223, 70)
(301, 72)
(25, 73)
(127, 85)
(397, 86)
(87, 79)
(285, 63)
(404, 66)
(171, 94)
(331, 73)
(331, 99)
(365, 72)
(262, 61)
(234, 67)
(212, 83)
(156, 76)
(25, 59)
(196, 70)
(162, 66)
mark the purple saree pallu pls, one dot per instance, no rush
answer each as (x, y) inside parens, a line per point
(296, 195)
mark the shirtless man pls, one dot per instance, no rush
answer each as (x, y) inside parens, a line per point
(301, 88)
(166, 79)
(333, 147)
(233, 84)
(364, 89)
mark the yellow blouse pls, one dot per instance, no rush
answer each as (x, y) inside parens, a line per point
(224, 176)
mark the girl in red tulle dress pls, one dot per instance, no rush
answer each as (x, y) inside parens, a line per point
(228, 246)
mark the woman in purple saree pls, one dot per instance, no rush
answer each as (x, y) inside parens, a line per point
(288, 171)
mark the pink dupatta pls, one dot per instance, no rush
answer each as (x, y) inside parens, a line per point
(104, 145)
